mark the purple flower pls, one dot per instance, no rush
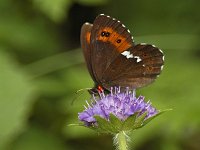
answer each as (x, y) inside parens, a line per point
(120, 104)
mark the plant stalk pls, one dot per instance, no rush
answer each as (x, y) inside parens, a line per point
(121, 141)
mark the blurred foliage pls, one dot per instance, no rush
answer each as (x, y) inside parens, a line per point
(55, 10)
(16, 98)
(41, 68)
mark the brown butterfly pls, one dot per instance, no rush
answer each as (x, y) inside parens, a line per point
(113, 59)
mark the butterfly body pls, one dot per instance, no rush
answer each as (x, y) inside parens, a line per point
(113, 59)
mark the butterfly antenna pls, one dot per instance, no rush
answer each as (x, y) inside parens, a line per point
(79, 93)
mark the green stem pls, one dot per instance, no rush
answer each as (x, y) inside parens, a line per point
(121, 141)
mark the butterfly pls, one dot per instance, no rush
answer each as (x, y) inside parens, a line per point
(113, 59)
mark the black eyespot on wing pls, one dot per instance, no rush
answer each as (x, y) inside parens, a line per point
(103, 33)
(107, 34)
(119, 41)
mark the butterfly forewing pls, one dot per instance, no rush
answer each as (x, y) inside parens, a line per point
(108, 39)
(85, 45)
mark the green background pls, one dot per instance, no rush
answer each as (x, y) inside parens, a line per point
(42, 67)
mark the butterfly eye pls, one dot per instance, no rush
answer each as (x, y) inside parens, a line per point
(119, 41)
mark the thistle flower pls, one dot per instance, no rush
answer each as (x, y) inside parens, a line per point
(117, 111)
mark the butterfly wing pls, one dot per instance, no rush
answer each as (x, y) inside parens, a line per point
(113, 59)
(136, 67)
(109, 38)
(85, 44)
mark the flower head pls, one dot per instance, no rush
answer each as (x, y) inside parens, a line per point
(121, 105)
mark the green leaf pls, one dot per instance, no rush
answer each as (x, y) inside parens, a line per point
(129, 123)
(76, 124)
(115, 122)
(151, 118)
(139, 120)
(82, 125)
(105, 126)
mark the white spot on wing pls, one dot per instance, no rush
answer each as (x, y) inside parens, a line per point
(163, 57)
(143, 43)
(160, 50)
(138, 58)
(123, 25)
(127, 54)
(162, 67)
(143, 65)
(101, 14)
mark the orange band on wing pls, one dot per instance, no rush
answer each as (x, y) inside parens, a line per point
(115, 38)
(88, 34)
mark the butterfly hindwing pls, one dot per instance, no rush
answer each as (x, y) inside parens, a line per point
(140, 67)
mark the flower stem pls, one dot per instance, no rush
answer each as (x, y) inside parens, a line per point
(121, 141)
